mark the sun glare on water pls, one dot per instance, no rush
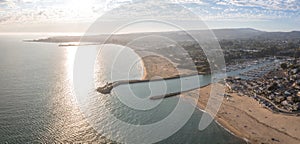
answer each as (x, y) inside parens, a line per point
(70, 57)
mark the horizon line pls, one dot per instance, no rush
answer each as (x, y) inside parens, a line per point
(136, 32)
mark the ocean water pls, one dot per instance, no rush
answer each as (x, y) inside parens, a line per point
(38, 105)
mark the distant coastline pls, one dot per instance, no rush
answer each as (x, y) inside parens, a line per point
(227, 34)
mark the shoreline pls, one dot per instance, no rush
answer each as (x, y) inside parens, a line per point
(254, 126)
(219, 121)
(240, 115)
(225, 125)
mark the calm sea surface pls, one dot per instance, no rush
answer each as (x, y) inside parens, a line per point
(37, 104)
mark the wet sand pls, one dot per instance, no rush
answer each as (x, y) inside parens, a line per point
(241, 115)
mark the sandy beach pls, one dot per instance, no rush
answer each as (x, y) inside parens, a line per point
(246, 118)
(241, 115)
(157, 67)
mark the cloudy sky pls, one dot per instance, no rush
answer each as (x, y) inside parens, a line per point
(76, 15)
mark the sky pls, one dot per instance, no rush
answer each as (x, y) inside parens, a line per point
(77, 15)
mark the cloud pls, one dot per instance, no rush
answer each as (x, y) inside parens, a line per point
(200, 2)
(292, 5)
(7, 4)
(248, 10)
(36, 11)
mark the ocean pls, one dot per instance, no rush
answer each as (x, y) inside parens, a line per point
(38, 105)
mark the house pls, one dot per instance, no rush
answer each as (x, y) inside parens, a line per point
(279, 99)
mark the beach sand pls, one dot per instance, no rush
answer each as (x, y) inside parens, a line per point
(241, 115)
(246, 118)
(158, 67)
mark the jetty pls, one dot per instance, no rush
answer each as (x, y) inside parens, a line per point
(108, 87)
(173, 94)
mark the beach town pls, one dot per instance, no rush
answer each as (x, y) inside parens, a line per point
(277, 89)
